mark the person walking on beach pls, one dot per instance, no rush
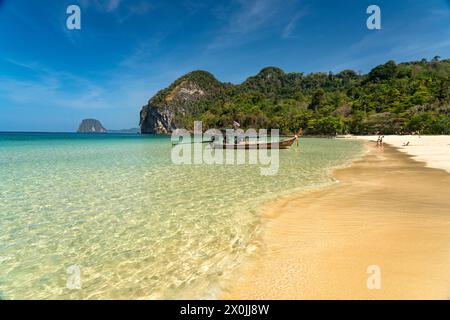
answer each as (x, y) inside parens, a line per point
(380, 141)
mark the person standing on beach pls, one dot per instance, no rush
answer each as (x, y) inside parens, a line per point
(380, 141)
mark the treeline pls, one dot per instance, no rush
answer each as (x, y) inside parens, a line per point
(391, 99)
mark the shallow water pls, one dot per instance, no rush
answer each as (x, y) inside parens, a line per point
(136, 225)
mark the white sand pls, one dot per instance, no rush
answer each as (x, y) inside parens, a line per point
(388, 210)
(433, 150)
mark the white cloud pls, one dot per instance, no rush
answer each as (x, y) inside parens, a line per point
(140, 7)
(54, 88)
(252, 18)
(121, 9)
(52, 92)
(252, 15)
(287, 31)
(101, 5)
(112, 5)
(377, 47)
(134, 9)
(64, 90)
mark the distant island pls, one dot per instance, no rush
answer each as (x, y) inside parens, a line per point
(91, 126)
(131, 130)
(95, 126)
(391, 99)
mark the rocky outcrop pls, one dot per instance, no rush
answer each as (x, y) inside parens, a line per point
(157, 120)
(168, 109)
(91, 126)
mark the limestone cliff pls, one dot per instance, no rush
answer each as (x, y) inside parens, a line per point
(172, 107)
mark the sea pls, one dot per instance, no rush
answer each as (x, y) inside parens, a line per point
(111, 216)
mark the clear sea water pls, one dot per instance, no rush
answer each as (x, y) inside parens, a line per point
(136, 225)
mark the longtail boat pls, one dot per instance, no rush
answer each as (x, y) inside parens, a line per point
(282, 144)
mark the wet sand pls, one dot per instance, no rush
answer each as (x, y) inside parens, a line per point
(388, 210)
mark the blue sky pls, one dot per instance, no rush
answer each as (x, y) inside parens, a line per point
(51, 78)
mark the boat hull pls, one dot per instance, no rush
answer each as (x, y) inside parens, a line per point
(284, 144)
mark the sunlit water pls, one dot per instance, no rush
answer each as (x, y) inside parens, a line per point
(135, 224)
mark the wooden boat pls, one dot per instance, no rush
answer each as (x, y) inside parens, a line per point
(282, 144)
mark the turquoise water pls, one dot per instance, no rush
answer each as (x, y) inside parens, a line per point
(136, 225)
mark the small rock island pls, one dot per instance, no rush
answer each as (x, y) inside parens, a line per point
(91, 126)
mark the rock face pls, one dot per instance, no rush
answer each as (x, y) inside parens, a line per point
(167, 110)
(157, 120)
(91, 126)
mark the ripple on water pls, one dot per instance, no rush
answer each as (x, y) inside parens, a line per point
(136, 225)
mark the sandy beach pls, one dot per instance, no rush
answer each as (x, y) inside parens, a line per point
(433, 150)
(388, 211)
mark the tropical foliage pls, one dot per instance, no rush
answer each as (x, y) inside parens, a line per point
(391, 99)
